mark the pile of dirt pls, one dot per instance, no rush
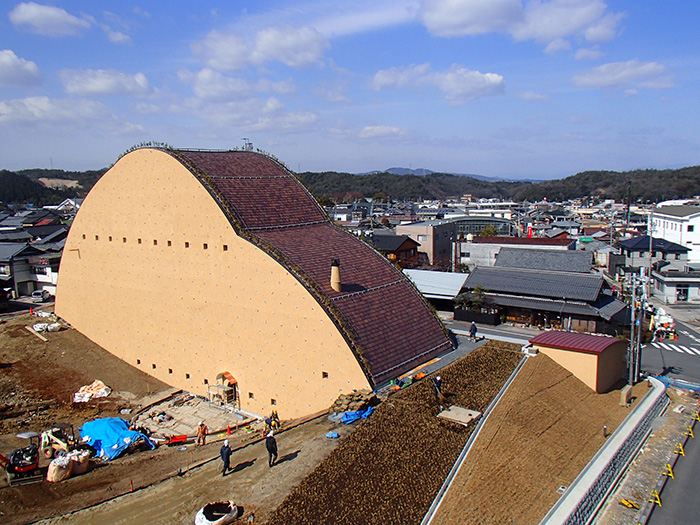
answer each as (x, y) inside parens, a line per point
(354, 401)
(390, 469)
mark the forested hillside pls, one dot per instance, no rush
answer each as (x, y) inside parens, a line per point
(646, 186)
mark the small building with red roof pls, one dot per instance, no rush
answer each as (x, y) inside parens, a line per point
(599, 361)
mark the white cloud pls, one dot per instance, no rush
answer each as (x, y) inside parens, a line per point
(45, 110)
(366, 17)
(631, 74)
(546, 22)
(283, 87)
(457, 83)
(222, 51)
(557, 45)
(47, 20)
(15, 71)
(334, 94)
(115, 36)
(376, 132)
(295, 47)
(450, 18)
(401, 76)
(212, 85)
(90, 82)
(250, 114)
(589, 54)
(531, 96)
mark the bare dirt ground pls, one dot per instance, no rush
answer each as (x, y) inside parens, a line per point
(36, 389)
(544, 431)
(383, 470)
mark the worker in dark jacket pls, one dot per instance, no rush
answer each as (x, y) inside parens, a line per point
(271, 445)
(472, 332)
(225, 457)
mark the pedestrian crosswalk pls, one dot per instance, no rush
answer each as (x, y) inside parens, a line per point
(673, 347)
(691, 335)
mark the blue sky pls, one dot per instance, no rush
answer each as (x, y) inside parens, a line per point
(501, 88)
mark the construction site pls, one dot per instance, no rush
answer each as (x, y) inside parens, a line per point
(386, 468)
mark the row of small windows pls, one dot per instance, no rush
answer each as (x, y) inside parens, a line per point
(205, 246)
(206, 381)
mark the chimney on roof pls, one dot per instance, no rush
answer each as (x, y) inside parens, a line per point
(335, 275)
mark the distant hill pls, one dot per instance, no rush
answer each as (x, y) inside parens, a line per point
(425, 171)
(646, 185)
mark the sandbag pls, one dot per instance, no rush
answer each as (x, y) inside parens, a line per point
(57, 472)
(80, 463)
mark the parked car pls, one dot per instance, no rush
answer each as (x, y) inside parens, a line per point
(39, 296)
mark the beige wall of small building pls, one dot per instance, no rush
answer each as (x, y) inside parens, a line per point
(154, 272)
(600, 372)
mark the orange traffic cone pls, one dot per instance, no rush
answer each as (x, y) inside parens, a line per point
(228, 430)
(31, 310)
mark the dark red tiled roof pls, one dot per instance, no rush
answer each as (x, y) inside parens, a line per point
(535, 241)
(379, 310)
(586, 343)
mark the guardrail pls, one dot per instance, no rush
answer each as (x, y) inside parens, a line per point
(587, 493)
(678, 383)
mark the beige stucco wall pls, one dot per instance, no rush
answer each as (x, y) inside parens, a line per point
(583, 366)
(186, 314)
(600, 372)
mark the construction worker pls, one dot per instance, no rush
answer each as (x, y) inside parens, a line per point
(472, 332)
(202, 431)
(272, 423)
(225, 457)
(271, 446)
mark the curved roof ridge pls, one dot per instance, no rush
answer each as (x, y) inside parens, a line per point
(278, 214)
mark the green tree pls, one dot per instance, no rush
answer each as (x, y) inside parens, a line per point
(489, 231)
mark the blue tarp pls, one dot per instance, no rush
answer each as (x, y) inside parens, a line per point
(110, 436)
(350, 417)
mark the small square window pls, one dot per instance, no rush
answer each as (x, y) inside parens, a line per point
(83, 236)
(250, 395)
(123, 239)
(170, 370)
(155, 243)
(206, 381)
(225, 247)
(153, 366)
(138, 361)
(97, 237)
(205, 246)
(187, 245)
(170, 243)
(187, 376)
(273, 402)
(139, 241)
(110, 238)
(324, 375)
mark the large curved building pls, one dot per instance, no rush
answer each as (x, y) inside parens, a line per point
(212, 270)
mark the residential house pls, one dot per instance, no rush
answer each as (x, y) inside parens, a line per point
(400, 249)
(434, 240)
(680, 225)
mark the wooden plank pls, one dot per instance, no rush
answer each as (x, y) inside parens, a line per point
(460, 415)
(31, 330)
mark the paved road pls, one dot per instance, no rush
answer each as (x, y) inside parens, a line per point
(679, 499)
(678, 359)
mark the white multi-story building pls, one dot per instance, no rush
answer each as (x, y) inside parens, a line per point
(679, 224)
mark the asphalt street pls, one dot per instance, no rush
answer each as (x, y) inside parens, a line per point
(678, 359)
(679, 499)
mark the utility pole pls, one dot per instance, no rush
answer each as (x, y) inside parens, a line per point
(637, 313)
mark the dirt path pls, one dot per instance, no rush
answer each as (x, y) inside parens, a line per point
(252, 484)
